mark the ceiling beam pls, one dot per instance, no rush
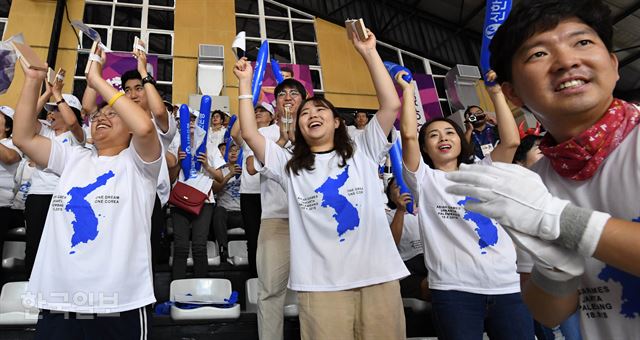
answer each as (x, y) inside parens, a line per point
(628, 60)
(627, 12)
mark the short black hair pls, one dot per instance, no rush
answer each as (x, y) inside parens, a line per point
(288, 69)
(525, 145)
(131, 74)
(467, 112)
(219, 113)
(291, 83)
(8, 124)
(535, 16)
(390, 203)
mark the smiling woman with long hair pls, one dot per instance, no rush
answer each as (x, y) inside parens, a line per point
(344, 264)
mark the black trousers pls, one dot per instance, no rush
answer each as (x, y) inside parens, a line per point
(36, 208)
(128, 325)
(251, 209)
(159, 249)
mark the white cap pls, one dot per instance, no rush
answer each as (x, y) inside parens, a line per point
(267, 107)
(71, 100)
(195, 113)
(7, 111)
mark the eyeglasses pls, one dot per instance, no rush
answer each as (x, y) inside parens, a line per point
(109, 114)
(292, 93)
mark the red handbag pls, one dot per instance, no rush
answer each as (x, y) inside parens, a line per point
(187, 198)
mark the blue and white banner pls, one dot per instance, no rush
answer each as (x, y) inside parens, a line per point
(497, 12)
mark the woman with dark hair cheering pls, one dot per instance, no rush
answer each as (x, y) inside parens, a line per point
(344, 264)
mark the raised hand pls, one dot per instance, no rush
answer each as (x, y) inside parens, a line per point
(34, 74)
(403, 84)
(95, 70)
(243, 70)
(366, 46)
(495, 88)
(141, 56)
(181, 155)
(403, 201)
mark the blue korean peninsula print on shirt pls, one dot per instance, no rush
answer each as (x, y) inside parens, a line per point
(345, 213)
(486, 230)
(630, 287)
(85, 224)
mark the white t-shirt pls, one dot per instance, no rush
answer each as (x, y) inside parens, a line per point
(164, 183)
(410, 244)
(216, 137)
(340, 237)
(464, 251)
(203, 181)
(44, 182)
(7, 176)
(354, 131)
(272, 195)
(249, 184)
(229, 197)
(609, 302)
(95, 254)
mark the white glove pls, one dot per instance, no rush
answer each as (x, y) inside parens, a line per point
(512, 195)
(556, 270)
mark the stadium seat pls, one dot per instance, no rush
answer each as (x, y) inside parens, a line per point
(235, 232)
(290, 302)
(416, 305)
(17, 232)
(238, 253)
(213, 258)
(13, 254)
(12, 311)
(202, 291)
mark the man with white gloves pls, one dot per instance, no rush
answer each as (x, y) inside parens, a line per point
(578, 213)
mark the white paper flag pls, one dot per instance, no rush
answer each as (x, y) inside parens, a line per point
(239, 45)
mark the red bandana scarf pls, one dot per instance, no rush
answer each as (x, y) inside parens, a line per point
(579, 158)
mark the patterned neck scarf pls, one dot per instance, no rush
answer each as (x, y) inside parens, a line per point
(579, 158)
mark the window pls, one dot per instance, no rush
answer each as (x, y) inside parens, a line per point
(418, 64)
(5, 6)
(118, 22)
(291, 34)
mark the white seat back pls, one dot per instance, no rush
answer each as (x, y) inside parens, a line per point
(12, 310)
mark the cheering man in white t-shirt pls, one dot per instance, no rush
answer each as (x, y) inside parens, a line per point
(578, 216)
(94, 256)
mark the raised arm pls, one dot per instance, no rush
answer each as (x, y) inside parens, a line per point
(145, 139)
(409, 126)
(235, 133)
(89, 101)
(25, 132)
(385, 91)
(156, 105)
(246, 116)
(68, 117)
(509, 136)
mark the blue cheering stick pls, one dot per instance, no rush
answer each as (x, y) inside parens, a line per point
(185, 140)
(227, 137)
(258, 74)
(496, 13)
(396, 166)
(204, 120)
(277, 72)
(393, 70)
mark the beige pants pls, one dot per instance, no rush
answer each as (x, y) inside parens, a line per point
(272, 261)
(372, 312)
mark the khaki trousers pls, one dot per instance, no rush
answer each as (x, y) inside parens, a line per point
(272, 261)
(371, 312)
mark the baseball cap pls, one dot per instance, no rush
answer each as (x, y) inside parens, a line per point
(267, 107)
(71, 100)
(7, 111)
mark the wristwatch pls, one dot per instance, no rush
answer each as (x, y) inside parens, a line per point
(149, 79)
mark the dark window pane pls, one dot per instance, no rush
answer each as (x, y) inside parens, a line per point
(165, 91)
(388, 54)
(307, 55)
(87, 42)
(252, 49)
(440, 87)
(438, 70)
(251, 26)
(159, 43)
(295, 14)
(274, 10)
(97, 14)
(123, 40)
(5, 5)
(446, 109)
(127, 17)
(277, 29)
(160, 19)
(165, 69)
(81, 64)
(303, 31)
(78, 87)
(1, 29)
(315, 79)
(247, 6)
(414, 64)
(169, 3)
(131, 1)
(280, 52)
